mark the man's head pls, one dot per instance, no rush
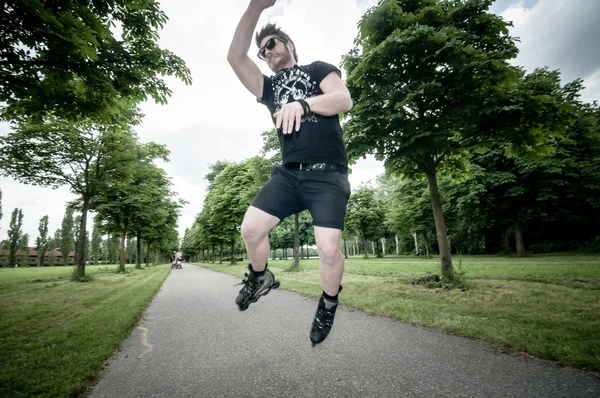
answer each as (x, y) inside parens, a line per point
(276, 48)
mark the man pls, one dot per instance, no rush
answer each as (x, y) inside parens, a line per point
(304, 102)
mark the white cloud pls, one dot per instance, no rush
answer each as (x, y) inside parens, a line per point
(560, 34)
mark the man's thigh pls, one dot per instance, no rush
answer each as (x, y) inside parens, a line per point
(326, 196)
(280, 196)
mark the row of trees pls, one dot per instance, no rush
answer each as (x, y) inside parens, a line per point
(100, 248)
(69, 86)
(476, 149)
(431, 83)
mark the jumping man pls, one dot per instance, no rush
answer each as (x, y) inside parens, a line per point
(304, 102)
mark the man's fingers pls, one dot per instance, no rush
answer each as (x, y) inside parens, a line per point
(289, 118)
(278, 119)
(298, 119)
(287, 122)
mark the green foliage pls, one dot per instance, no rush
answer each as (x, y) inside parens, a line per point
(131, 203)
(365, 215)
(431, 80)
(42, 240)
(232, 186)
(96, 246)
(67, 243)
(14, 236)
(66, 59)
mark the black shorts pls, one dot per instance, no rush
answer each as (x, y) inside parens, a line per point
(289, 191)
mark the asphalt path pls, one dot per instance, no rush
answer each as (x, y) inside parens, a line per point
(194, 342)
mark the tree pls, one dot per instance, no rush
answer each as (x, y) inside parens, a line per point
(365, 215)
(14, 236)
(23, 247)
(66, 59)
(85, 156)
(67, 244)
(42, 240)
(96, 245)
(430, 79)
(410, 211)
(122, 200)
(231, 193)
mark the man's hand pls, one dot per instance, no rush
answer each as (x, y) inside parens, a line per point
(287, 116)
(262, 4)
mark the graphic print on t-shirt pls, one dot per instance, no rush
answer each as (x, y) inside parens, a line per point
(291, 85)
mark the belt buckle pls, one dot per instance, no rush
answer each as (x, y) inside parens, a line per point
(319, 166)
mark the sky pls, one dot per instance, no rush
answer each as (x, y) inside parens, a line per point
(217, 119)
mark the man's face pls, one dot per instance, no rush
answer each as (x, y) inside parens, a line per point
(279, 56)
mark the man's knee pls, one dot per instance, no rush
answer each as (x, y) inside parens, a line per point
(251, 233)
(256, 225)
(328, 253)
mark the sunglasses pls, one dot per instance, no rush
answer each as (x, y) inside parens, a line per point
(269, 46)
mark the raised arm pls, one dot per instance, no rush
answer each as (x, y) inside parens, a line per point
(245, 69)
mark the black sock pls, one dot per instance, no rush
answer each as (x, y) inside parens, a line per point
(330, 298)
(261, 272)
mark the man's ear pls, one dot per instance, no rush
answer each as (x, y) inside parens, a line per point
(291, 46)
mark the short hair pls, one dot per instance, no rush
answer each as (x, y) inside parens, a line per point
(271, 29)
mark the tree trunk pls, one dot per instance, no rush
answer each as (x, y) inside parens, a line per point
(440, 224)
(122, 259)
(373, 248)
(82, 238)
(147, 253)
(427, 246)
(365, 247)
(138, 253)
(519, 241)
(296, 242)
(345, 250)
(416, 242)
(274, 253)
(378, 248)
(505, 242)
(233, 261)
(397, 246)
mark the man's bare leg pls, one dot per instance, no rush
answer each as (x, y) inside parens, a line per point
(255, 229)
(331, 259)
(331, 267)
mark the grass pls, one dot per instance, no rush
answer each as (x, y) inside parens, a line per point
(55, 334)
(547, 305)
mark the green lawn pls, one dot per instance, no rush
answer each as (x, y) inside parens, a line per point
(548, 306)
(56, 334)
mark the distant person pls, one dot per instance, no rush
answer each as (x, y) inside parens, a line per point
(304, 103)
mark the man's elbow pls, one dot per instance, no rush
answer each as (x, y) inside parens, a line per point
(347, 105)
(234, 58)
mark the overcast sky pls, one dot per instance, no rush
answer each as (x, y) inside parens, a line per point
(217, 119)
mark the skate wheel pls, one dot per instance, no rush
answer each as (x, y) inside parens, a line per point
(243, 307)
(275, 285)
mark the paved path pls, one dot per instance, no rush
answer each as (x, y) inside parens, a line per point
(194, 342)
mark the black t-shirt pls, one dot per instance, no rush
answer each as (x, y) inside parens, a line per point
(320, 137)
